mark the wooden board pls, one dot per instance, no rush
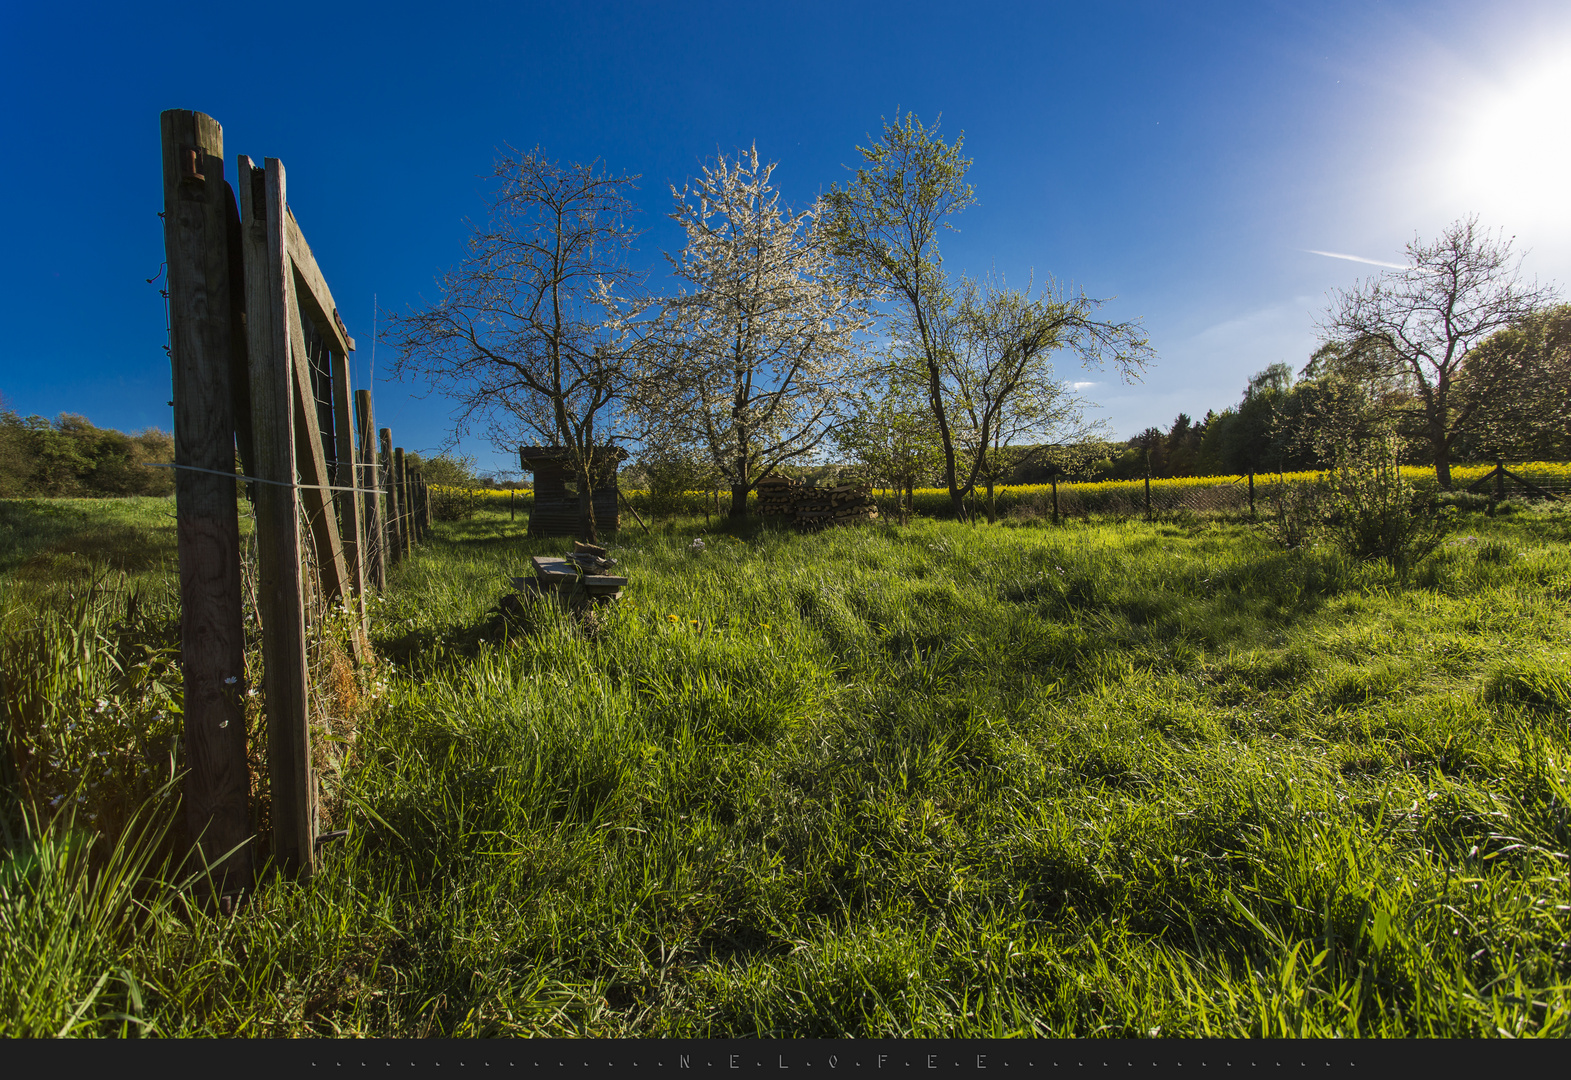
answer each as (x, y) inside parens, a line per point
(315, 491)
(280, 586)
(561, 570)
(312, 286)
(349, 476)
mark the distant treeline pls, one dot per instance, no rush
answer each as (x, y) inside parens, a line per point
(68, 457)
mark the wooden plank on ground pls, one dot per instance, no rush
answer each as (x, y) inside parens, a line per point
(212, 637)
(280, 588)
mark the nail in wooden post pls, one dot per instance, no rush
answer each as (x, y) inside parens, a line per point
(369, 477)
(280, 593)
(212, 638)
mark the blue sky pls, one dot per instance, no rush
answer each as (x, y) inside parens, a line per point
(1185, 158)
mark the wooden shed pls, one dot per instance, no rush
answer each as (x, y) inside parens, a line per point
(556, 494)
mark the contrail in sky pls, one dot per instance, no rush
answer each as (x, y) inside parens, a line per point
(1357, 258)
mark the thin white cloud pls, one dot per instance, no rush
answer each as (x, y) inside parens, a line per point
(1078, 386)
(1357, 259)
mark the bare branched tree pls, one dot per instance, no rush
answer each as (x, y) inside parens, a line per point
(1422, 321)
(534, 335)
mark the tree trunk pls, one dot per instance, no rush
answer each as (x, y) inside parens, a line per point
(738, 502)
(586, 508)
(910, 503)
(1442, 453)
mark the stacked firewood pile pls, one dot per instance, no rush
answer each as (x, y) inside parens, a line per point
(575, 580)
(816, 507)
(777, 496)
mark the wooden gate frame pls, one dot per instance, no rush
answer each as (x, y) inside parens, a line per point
(244, 285)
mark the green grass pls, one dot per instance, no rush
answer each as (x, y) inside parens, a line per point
(1099, 780)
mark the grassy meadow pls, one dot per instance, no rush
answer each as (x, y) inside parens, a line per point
(1112, 778)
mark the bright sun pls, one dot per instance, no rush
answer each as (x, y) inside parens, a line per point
(1512, 157)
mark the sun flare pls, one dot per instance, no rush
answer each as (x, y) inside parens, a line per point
(1512, 156)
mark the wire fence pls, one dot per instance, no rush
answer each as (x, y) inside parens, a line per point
(1200, 495)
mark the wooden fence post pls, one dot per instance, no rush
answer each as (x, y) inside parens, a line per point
(370, 478)
(348, 477)
(1054, 478)
(280, 592)
(1148, 496)
(212, 638)
(425, 506)
(401, 490)
(395, 526)
(1252, 493)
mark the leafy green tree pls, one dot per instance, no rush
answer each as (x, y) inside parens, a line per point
(1516, 390)
(976, 349)
(891, 436)
(445, 470)
(1248, 442)
(69, 457)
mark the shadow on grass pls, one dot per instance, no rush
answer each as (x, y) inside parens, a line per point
(42, 542)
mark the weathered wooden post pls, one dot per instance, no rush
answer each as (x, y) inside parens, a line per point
(1148, 496)
(369, 479)
(348, 474)
(425, 506)
(395, 525)
(280, 585)
(1500, 483)
(1054, 479)
(415, 509)
(512, 509)
(197, 207)
(401, 491)
(1252, 493)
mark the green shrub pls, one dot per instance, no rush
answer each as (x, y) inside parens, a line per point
(454, 503)
(1374, 513)
(1464, 501)
(1296, 514)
